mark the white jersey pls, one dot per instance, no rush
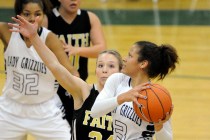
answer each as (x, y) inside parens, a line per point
(28, 80)
(126, 124)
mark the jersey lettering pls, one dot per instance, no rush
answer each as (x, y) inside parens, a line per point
(128, 112)
(98, 122)
(12, 61)
(33, 65)
(76, 40)
(27, 84)
(120, 130)
(104, 122)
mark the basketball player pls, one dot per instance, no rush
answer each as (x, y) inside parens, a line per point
(79, 29)
(28, 103)
(84, 126)
(144, 62)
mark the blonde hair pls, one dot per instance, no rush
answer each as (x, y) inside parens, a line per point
(116, 54)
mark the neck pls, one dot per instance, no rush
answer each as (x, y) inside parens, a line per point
(99, 87)
(69, 16)
(139, 80)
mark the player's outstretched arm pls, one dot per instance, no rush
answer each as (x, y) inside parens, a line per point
(63, 76)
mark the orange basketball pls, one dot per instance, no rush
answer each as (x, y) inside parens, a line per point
(157, 104)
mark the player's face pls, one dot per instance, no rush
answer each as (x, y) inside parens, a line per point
(70, 6)
(31, 11)
(106, 65)
(130, 63)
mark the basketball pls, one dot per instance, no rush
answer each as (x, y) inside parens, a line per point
(157, 104)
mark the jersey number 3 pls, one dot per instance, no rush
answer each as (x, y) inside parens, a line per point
(26, 84)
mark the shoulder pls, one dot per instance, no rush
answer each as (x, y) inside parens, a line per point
(94, 20)
(117, 78)
(45, 30)
(49, 32)
(51, 18)
(50, 35)
(52, 38)
(92, 16)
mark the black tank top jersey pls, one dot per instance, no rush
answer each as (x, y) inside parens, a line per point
(84, 127)
(77, 34)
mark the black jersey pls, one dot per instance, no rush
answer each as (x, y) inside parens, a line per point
(84, 127)
(77, 34)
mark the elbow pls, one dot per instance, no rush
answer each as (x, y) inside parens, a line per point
(94, 113)
(103, 47)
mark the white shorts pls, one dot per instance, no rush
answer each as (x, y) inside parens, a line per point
(15, 126)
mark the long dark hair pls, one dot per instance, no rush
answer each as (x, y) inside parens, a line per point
(44, 4)
(162, 59)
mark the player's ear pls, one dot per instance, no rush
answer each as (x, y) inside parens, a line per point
(143, 64)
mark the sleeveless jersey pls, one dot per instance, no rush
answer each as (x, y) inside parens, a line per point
(77, 34)
(28, 80)
(127, 125)
(84, 127)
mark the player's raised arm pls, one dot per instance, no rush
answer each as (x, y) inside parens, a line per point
(29, 30)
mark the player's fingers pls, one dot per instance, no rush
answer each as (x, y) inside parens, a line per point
(172, 108)
(14, 25)
(141, 96)
(167, 115)
(21, 19)
(64, 43)
(17, 20)
(37, 19)
(159, 121)
(142, 87)
(66, 50)
(136, 102)
(13, 30)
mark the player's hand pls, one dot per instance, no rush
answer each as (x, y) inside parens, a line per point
(70, 49)
(66, 49)
(133, 94)
(159, 125)
(27, 29)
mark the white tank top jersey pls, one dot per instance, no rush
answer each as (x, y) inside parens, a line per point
(28, 80)
(126, 124)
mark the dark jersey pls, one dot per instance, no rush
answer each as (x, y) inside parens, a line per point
(77, 34)
(84, 127)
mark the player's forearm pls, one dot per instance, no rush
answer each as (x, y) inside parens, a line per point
(103, 106)
(90, 52)
(51, 61)
(44, 52)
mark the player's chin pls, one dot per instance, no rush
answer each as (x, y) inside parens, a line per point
(103, 79)
(123, 70)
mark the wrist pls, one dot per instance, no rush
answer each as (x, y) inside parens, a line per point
(120, 99)
(33, 36)
(158, 126)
